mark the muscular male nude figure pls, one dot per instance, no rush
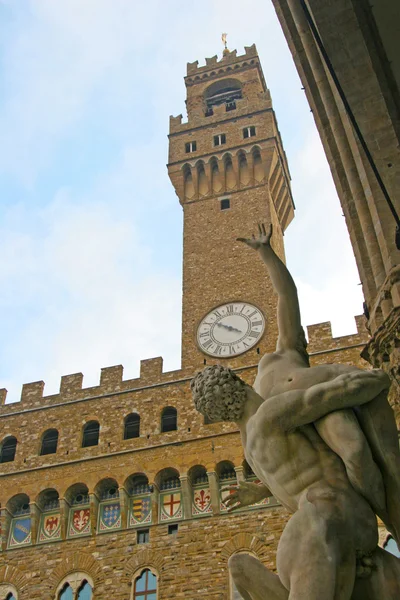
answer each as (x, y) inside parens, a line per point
(304, 442)
(332, 525)
(364, 437)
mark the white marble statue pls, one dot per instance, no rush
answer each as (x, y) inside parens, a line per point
(323, 441)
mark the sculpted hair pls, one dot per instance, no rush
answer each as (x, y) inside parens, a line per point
(219, 393)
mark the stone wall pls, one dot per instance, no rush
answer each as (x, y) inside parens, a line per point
(191, 564)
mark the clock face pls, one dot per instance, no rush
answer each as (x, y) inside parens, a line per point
(230, 329)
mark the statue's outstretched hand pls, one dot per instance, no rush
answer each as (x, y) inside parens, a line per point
(243, 494)
(263, 238)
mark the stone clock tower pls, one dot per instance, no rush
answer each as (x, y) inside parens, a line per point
(229, 170)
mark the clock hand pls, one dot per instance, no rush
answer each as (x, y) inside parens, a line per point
(228, 327)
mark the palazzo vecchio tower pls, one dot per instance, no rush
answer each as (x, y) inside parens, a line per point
(114, 491)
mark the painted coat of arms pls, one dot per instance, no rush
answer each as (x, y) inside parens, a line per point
(79, 522)
(140, 511)
(20, 532)
(50, 527)
(109, 516)
(171, 506)
(201, 501)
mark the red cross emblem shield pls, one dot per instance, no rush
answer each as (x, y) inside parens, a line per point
(171, 504)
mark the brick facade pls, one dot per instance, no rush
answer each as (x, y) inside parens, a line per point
(78, 511)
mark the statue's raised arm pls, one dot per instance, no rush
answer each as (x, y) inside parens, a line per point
(288, 311)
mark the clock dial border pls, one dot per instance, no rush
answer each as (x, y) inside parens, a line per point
(247, 347)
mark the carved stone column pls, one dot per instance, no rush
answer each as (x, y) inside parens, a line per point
(94, 512)
(240, 474)
(5, 519)
(124, 504)
(186, 496)
(195, 178)
(35, 521)
(64, 515)
(214, 491)
(155, 499)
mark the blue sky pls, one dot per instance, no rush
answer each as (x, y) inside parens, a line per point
(90, 226)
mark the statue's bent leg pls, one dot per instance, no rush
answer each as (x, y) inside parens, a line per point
(253, 581)
(383, 583)
(377, 421)
(316, 555)
(342, 432)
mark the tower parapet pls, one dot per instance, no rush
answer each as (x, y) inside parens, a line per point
(152, 375)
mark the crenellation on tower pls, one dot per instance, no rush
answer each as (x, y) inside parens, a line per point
(32, 393)
(95, 480)
(228, 58)
(71, 384)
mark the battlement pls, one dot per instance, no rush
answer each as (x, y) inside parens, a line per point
(228, 58)
(111, 382)
(151, 372)
(320, 338)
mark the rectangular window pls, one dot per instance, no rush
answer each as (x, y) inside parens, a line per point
(143, 536)
(225, 203)
(249, 132)
(219, 139)
(173, 529)
(190, 147)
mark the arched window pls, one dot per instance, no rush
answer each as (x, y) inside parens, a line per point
(8, 449)
(49, 442)
(145, 586)
(201, 495)
(66, 593)
(226, 476)
(75, 586)
(132, 426)
(85, 591)
(224, 91)
(78, 498)
(90, 434)
(20, 526)
(109, 514)
(169, 419)
(8, 592)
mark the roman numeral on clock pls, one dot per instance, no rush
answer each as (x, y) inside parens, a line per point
(253, 334)
(256, 323)
(207, 344)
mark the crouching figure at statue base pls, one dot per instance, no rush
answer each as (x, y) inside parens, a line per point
(323, 441)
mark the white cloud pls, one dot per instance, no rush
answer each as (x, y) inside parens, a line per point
(93, 295)
(84, 283)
